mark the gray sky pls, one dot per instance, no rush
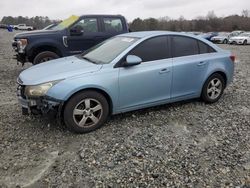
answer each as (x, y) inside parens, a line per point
(60, 9)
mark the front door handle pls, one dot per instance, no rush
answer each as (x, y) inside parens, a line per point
(202, 63)
(165, 70)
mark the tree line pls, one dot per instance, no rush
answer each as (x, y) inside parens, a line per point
(37, 22)
(207, 23)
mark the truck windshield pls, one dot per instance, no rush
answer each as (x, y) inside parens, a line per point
(66, 23)
(108, 50)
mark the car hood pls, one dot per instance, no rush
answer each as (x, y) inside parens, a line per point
(56, 70)
(34, 33)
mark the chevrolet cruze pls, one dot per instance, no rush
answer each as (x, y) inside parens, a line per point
(127, 72)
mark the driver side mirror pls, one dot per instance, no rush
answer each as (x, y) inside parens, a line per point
(76, 31)
(132, 60)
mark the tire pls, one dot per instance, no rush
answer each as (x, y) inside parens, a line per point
(213, 88)
(15, 28)
(245, 42)
(225, 41)
(85, 112)
(44, 56)
(29, 29)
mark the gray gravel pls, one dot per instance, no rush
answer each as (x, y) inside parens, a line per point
(187, 144)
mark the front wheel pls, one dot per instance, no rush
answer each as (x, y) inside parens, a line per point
(225, 41)
(213, 88)
(86, 112)
(45, 56)
(245, 42)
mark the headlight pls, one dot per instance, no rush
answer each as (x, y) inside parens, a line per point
(39, 90)
(21, 44)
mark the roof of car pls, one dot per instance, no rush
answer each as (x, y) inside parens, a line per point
(143, 34)
(148, 34)
(101, 15)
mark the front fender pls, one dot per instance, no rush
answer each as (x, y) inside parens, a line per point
(45, 42)
(107, 82)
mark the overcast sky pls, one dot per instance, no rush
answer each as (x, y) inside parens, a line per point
(60, 9)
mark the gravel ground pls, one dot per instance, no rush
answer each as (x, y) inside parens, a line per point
(187, 144)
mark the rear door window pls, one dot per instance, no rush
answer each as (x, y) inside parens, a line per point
(184, 46)
(112, 24)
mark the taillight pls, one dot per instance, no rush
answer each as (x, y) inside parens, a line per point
(232, 57)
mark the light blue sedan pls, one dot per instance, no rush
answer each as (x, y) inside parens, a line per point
(127, 72)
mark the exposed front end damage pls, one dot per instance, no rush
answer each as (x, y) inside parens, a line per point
(39, 105)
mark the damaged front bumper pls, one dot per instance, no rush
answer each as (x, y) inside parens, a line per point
(41, 105)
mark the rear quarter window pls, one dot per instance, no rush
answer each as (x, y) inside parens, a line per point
(204, 48)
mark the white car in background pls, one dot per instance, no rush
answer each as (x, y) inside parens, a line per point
(243, 38)
(22, 27)
(223, 37)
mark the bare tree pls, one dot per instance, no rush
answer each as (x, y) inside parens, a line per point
(245, 13)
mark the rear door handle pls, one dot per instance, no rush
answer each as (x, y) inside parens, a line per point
(165, 70)
(202, 63)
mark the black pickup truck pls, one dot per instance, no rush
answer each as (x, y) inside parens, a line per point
(72, 36)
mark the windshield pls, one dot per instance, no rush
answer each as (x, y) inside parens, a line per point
(245, 35)
(223, 34)
(108, 50)
(66, 23)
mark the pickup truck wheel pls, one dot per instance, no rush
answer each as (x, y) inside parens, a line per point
(86, 112)
(45, 56)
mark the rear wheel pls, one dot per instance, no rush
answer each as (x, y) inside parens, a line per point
(225, 41)
(213, 88)
(45, 56)
(86, 112)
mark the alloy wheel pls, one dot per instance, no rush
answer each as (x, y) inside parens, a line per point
(87, 112)
(214, 88)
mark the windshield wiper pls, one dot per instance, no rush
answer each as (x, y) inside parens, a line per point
(90, 60)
